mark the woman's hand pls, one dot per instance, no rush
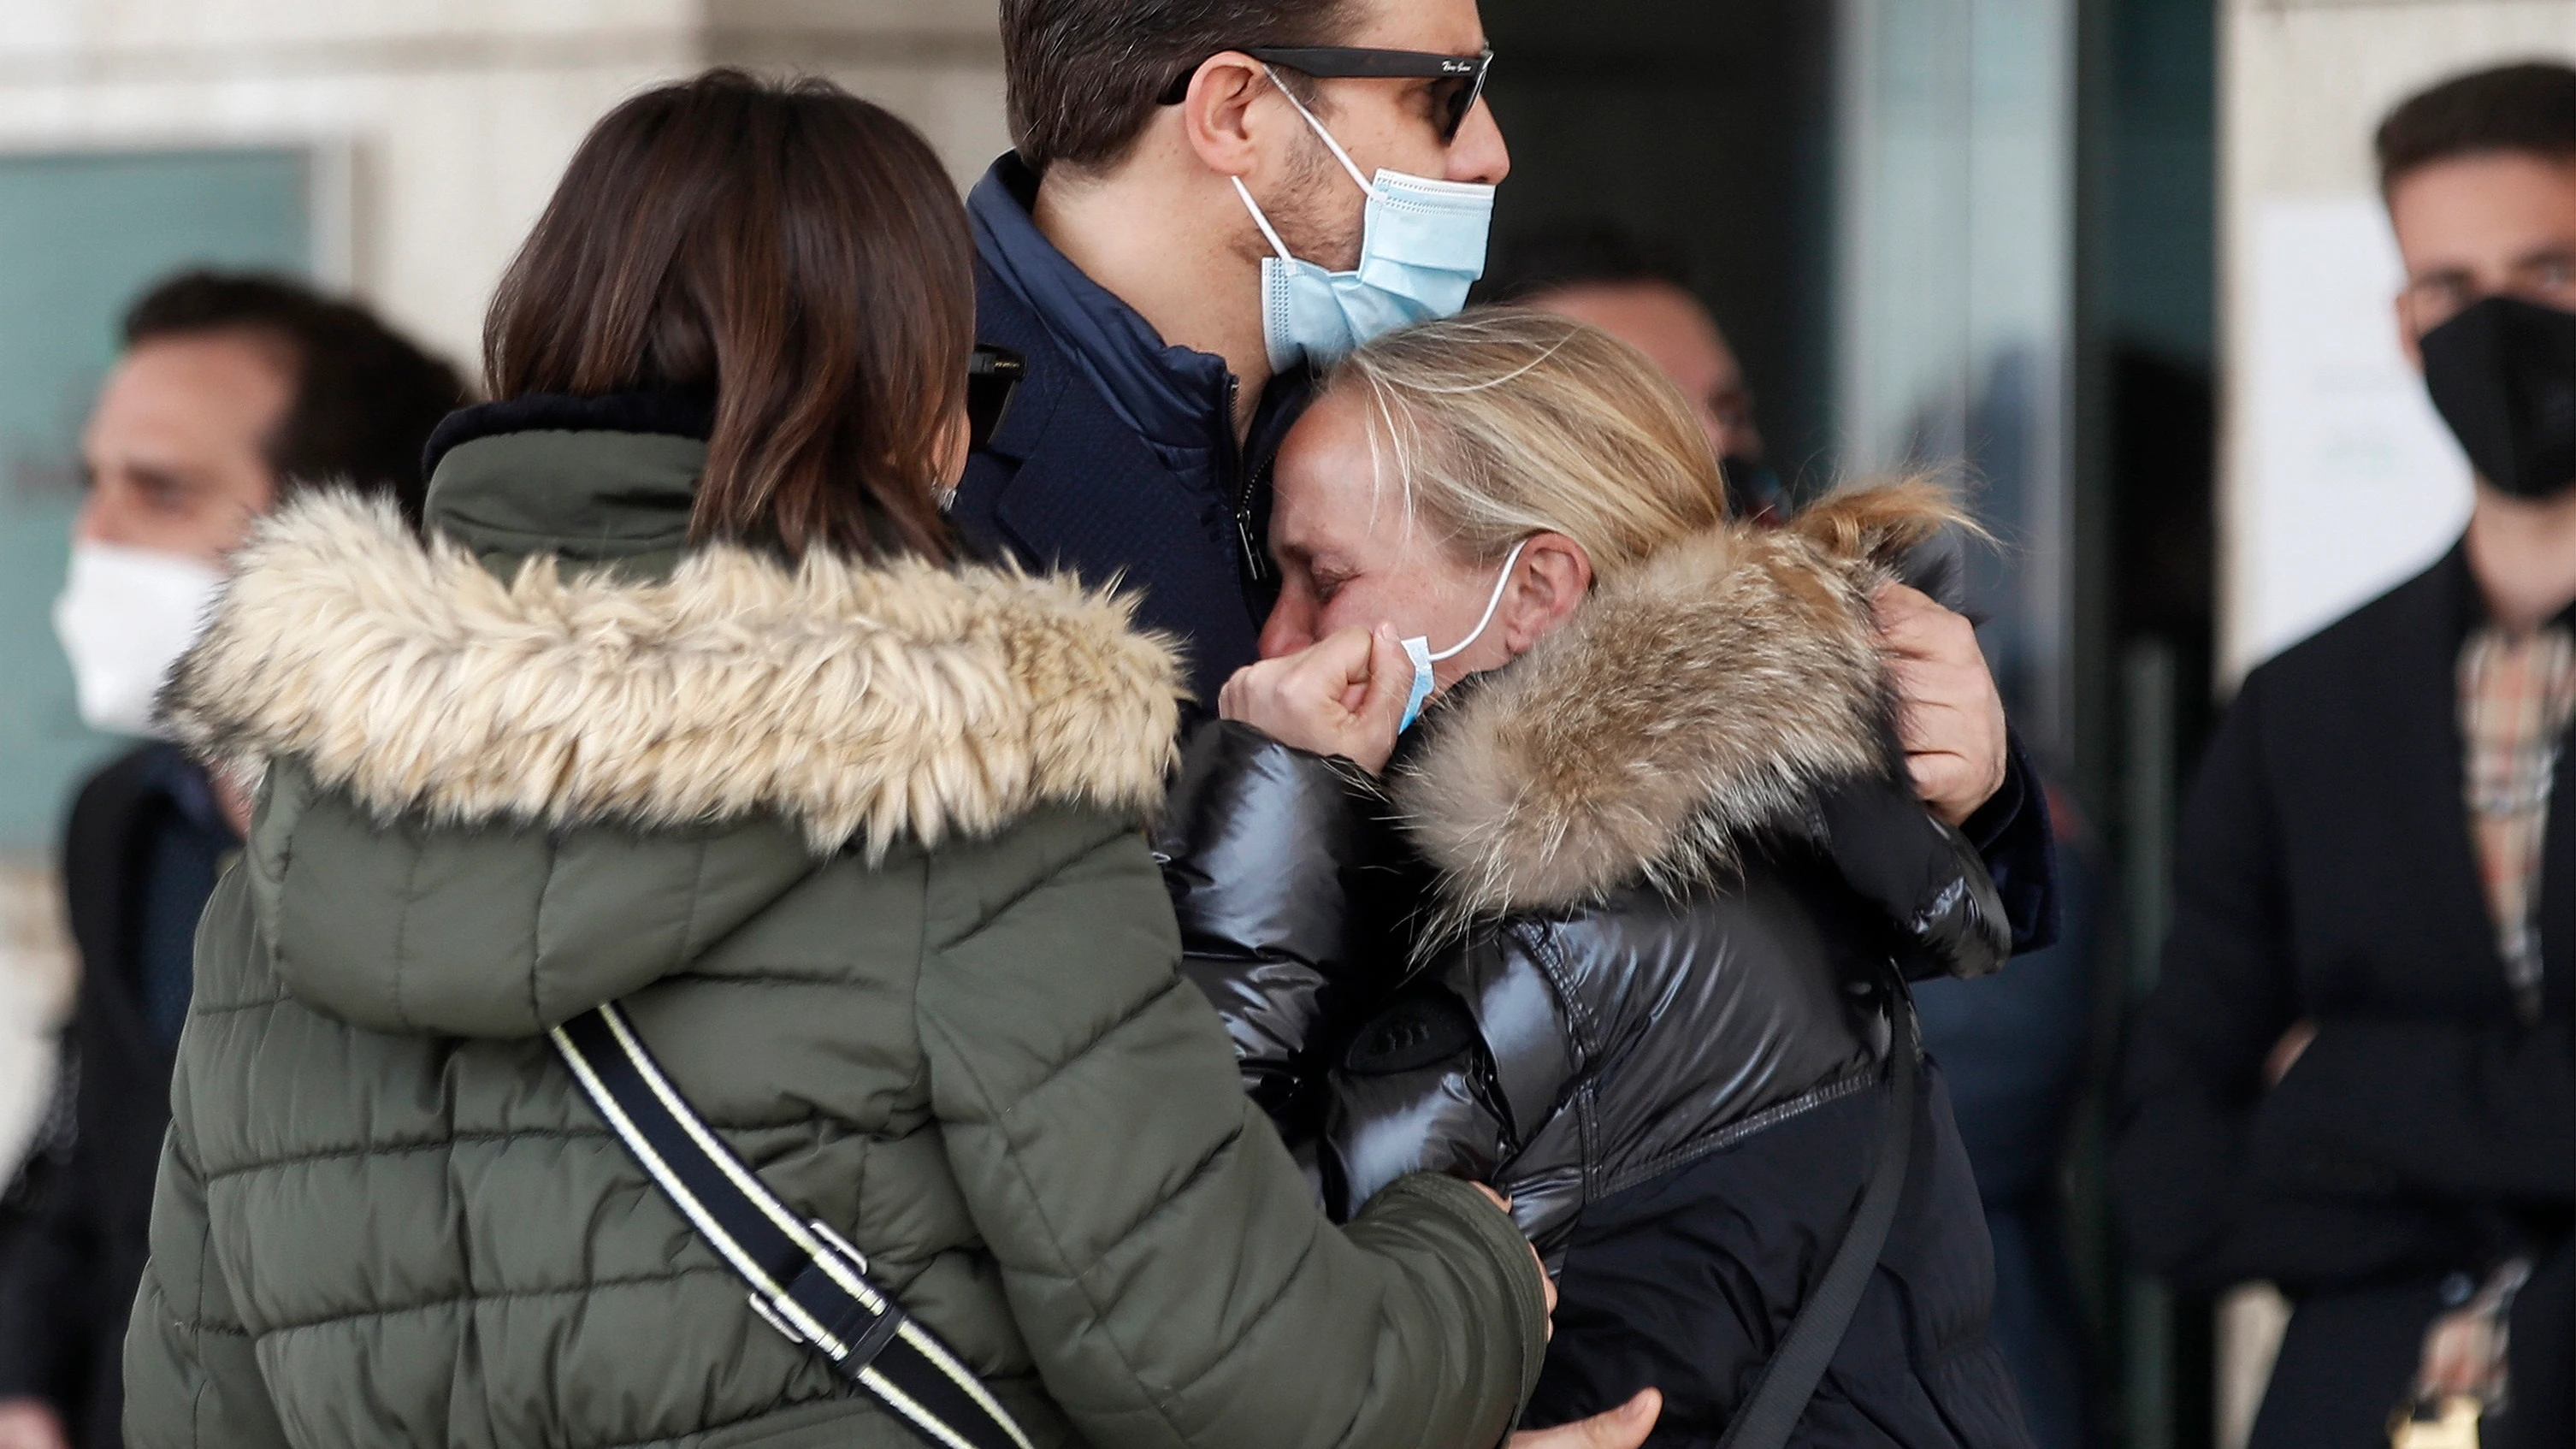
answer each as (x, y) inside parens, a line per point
(1343, 695)
(1624, 1427)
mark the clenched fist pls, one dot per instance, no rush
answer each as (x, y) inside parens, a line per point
(1343, 695)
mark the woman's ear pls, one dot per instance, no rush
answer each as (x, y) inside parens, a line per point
(1551, 581)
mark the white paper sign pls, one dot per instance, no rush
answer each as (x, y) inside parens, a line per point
(2349, 482)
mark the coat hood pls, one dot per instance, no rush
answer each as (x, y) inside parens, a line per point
(865, 704)
(1717, 693)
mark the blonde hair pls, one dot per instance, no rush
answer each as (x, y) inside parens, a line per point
(1505, 422)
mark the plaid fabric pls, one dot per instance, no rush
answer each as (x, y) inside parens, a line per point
(2517, 692)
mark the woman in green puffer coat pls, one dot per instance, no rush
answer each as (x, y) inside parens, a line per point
(684, 704)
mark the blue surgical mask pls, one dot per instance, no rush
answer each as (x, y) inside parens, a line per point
(1422, 244)
(1418, 648)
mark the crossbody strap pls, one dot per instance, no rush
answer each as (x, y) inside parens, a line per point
(805, 1279)
(1789, 1380)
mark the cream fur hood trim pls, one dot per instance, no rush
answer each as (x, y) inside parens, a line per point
(1707, 697)
(867, 704)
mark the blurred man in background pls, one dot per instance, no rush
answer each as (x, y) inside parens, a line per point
(233, 393)
(1641, 293)
(2013, 1043)
(2354, 1077)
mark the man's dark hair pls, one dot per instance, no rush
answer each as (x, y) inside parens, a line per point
(366, 397)
(1582, 254)
(1084, 76)
(2529, 107)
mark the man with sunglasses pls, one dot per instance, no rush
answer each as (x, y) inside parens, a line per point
(1207, 202)
(1176, 165)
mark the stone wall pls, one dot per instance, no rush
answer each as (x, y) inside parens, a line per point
(442, 124)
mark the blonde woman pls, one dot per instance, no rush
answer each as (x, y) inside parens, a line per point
(1648, 863)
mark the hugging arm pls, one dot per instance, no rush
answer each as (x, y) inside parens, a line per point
(1161, 1252)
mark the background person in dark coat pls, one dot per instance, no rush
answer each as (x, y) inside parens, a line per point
(1116, 256)
(2354, 1077)
(233, 392)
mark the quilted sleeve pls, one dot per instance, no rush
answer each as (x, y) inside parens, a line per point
(190, 1378)
(1161, 1252)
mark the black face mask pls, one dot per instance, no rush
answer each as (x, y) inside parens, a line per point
(2503, 375)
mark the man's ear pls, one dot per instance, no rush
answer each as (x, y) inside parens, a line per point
(1216, 116)
(1550, 582)
(2409, 341)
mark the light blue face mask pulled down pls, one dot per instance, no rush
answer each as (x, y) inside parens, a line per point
(1418, 648)
(1422, 245)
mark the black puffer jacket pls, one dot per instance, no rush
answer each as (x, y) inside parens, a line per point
(1656, 881)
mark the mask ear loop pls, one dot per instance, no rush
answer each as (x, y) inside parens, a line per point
(1496, 602)
(1334, 146)
(1268, 231)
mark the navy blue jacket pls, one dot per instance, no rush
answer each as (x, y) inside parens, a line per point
(1118, 459)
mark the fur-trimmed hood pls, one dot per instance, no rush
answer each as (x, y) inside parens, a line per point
(864, 703)
(1709, 697)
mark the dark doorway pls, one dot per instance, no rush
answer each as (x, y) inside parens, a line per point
(1706, 128)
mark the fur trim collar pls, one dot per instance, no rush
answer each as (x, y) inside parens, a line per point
(1704, 700)
(866, 703)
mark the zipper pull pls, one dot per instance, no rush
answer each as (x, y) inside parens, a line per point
(1256, 564)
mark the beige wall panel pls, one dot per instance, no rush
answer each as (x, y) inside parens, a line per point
(444, 124)
(239, 28)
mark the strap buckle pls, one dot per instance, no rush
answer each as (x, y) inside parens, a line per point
(831, 1305)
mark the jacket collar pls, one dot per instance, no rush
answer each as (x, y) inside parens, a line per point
(1708, 699)
(1174, 397)
(481, 677)
(608, 481)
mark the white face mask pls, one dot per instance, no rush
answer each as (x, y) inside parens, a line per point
(124, 618)
(1418, 648)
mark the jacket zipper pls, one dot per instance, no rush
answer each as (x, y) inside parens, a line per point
(1256, 560)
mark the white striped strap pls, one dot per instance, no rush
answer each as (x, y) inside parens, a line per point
(806, 1280)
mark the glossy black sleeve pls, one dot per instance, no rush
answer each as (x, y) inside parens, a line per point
(1464, 1074)
(2018, 842)
(1272, 856)
(2183, 1170)
(1895, 853)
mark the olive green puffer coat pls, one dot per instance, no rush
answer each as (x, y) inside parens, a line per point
(858, 847)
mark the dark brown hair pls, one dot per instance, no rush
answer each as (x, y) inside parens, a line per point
(1084, 76)
(791, 251)
(366, 397)
(2529, 107)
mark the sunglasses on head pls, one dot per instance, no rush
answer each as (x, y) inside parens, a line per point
(1458, 81)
